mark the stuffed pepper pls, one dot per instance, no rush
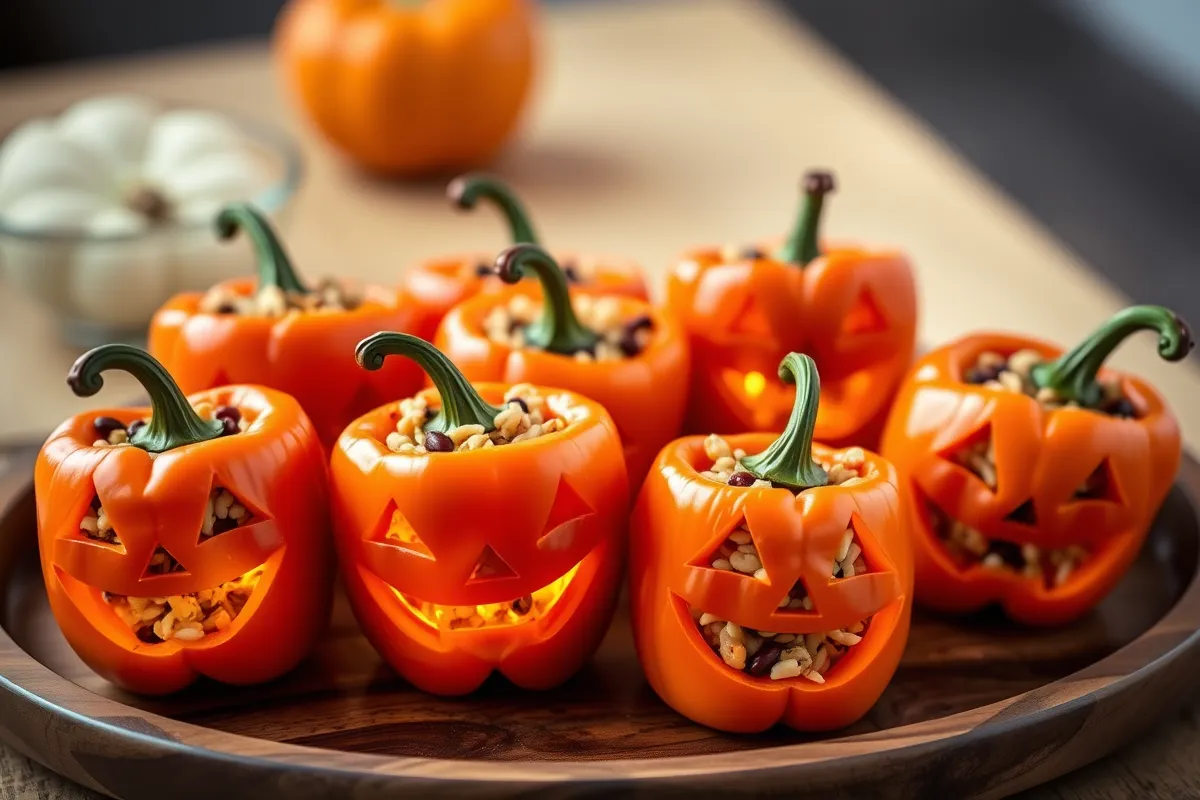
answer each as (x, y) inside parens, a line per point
(621, 352)
(852, 309)
(480, 528)
(280, 332)
(1034, 473)
(771, 578)
(437, 285)
(190, 538)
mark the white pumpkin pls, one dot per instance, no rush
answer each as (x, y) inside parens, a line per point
(121, 173)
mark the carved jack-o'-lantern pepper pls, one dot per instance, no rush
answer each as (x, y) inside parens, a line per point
(193, 543)
(621, 352)
(439, 284)
(475, 537)
(767, 587)
(853, 310)
(283, 334)
(1034, 474)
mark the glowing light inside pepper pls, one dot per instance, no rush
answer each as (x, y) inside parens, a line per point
(753, 384)
(512, 612)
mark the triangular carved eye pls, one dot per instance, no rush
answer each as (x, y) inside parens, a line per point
(1024, 514)
(96, 525)
(162, 563)
(850, 560)
(223, 512)
(559, 532)
(736, 553)
(797, 600)
(1100, 485)
(864, 316)
(490, 566)
(976, 454)
(395, 529)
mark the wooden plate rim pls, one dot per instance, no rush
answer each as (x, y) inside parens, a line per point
(1140, 662)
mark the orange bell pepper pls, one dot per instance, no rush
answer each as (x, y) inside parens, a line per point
(410, 88)
(120, 525)
(439, 284)
(794, 526)
(645, 392)
(853, 310)
(301, 353)
(1037, 503)
(499, 532)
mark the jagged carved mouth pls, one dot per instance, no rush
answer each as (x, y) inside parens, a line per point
(517, 611)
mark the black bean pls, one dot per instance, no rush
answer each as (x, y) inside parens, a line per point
(223, 525)
(523, 605)
(430, 413)
(106, 425)
(984, 374)
(741, 479)
(437, 442)
(521, 402)
(228, 412)
(226, 308)
(229, 426)
(482, 269)
(1121, 408)
(569, 271)
(765, 658)
(147, 635)
(752, 253)
(1009, 552)
(630, 343)
(134, 427)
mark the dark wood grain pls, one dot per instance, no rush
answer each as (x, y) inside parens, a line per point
(978, 707)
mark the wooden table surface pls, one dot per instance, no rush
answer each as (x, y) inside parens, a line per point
(658, 124)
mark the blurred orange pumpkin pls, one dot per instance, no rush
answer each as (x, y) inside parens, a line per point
(410, 87)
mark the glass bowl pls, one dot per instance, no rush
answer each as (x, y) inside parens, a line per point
(106, 288)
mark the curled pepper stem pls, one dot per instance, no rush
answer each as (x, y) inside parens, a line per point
(557, 330)
(788, 461)
(1072, 376)
(173, 421)
(461, 404)
(803, 244)
(274, 267)
(466, 191)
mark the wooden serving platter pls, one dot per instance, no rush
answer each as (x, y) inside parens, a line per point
(979, 707)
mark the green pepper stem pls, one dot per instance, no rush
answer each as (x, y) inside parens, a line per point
(274, 267)
(557, 330)
(803, 244)
(173, 421)
(466, 191)
(1073, 375)
(461, 404)
(788, 462)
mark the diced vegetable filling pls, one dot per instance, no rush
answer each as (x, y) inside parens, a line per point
(111, 431)
(845, 468)
(526, 415)
(619, 337)
(1011, 373)
(271, 301)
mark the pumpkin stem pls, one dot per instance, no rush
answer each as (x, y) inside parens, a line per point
(1073, 375)
(274, 267)
(788, 462)
(466, 191)
(803, 245)
(173, 421)
(557, 330)
(461, 404)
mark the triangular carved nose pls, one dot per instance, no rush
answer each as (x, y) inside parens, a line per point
(490, 566)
